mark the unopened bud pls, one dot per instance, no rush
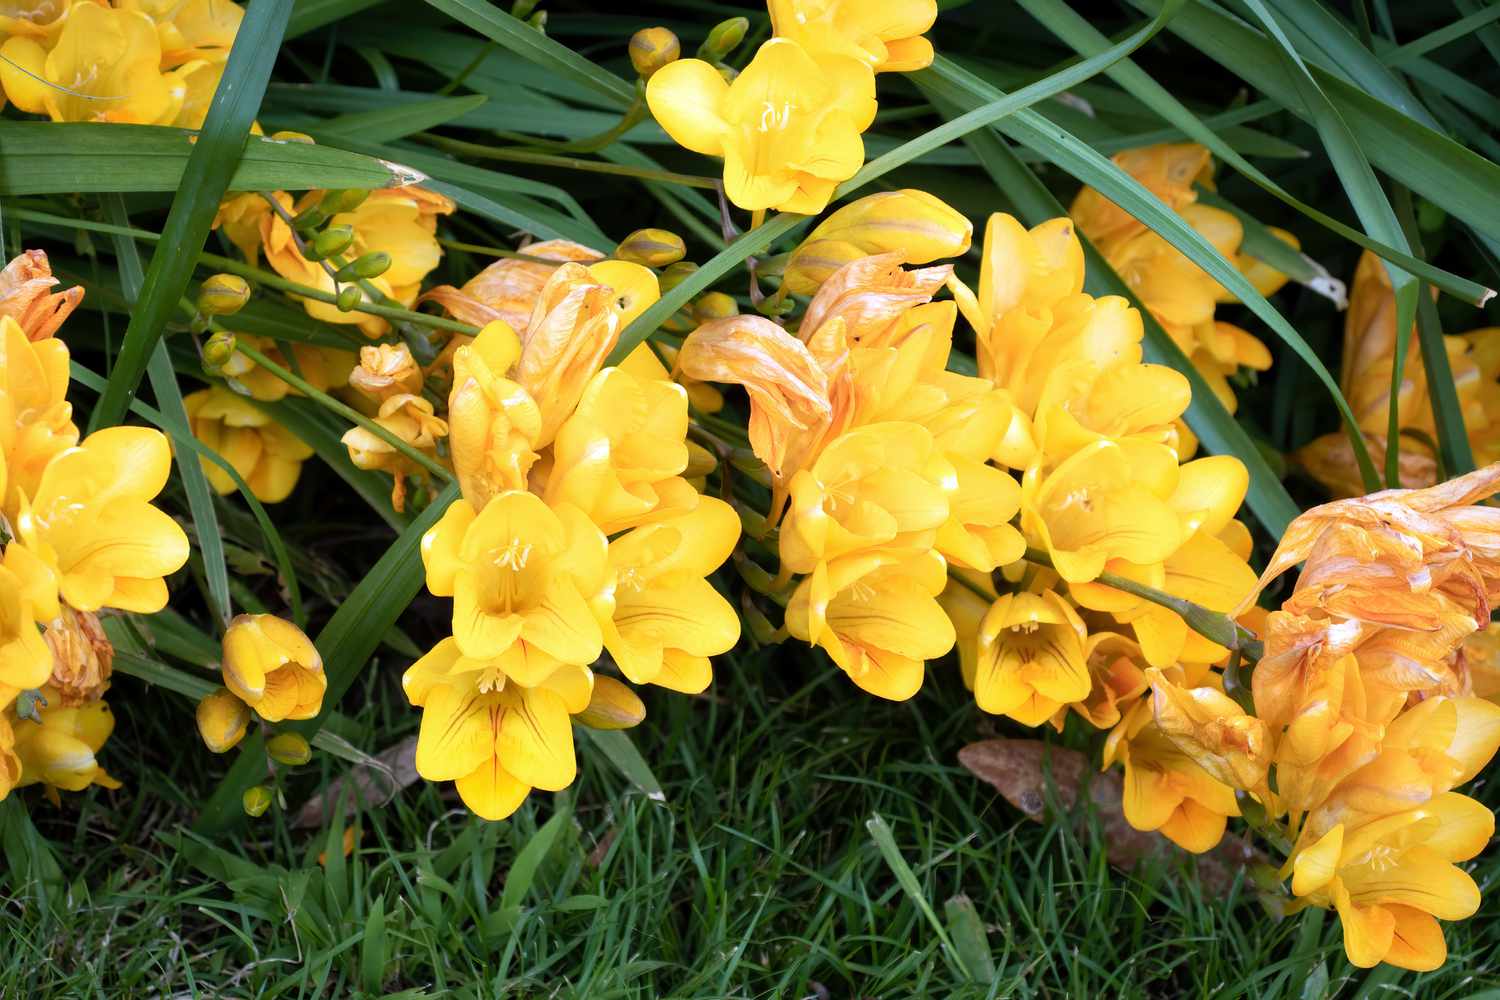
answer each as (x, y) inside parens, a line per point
(745, 461)
(370, 265)
(714, 305)
(222, 720)
(653, 48)
(289, 748)
(521, 9)
(756, 578)
(921, 227)
(756, 623)
(723, 38)
(256, 800)
(728, 73)
(701, 461)
(288, 136)
(331, 242)
(343, 200)
(218, 350)
(651, 247)
(309, 219)
(223, 295)
(349, 297)
(612, 705)
(538, 21)
(752, 521)
(675, 274)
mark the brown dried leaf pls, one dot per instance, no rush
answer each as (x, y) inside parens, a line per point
(1021, 769)
(367, 786)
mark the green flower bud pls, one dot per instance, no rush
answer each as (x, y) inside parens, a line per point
(256, 800)
(653, 48)
(343, 200)
(370, 265)
(651, 247)
(757, 624)
(290, 748)
(223, 295)
(521, 9)
(349, 297)
(331, 242)
(217, 351)
(309, 219)
(676, 274)
(723, 39)
(538, 21)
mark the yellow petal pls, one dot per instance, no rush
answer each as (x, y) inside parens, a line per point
(685, 97)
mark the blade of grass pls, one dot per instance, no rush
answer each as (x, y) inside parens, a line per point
(396, 122)
(345, 643)
(885, 841)
(1262, 244)
(1094, 170)
(620, 750)
(211, 164)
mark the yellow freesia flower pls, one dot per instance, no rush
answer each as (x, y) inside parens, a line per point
(493, 423)
(885, 34)
(620, 457)
(1117, 679)
(879, 623)
(28, 596)
(666, 619)
(36, 419)
(59, 751)
(265, 454)
(508, 289)
(1165, 789)
(1031, 657)
(913, 223)
(33, 18)
(519, 571)
(192, 29)
(26, 295)
(878, 488)
(409, 418)
(272, 666)
(105, 67)
(92, 522)
(317, 365)
(788, 127)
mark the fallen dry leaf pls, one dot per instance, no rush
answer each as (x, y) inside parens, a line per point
(367, 786)
(1020, 771)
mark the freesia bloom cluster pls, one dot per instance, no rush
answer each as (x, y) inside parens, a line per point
(576, 535)
(1365, 378)
(788, 126)
(1178, 293)
(81, 537)
(142, 62)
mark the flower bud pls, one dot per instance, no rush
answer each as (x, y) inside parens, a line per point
(343, 200)
(714, 305)
(256, 800)
(538, 21)
(223, 295)
(289, 136)
(756, 578)
(349, 297)
(521, 9)
(651, 247)
(756, 623)
(653, 48)
(675, 274)
(274, 667)
(222, 720)
(701, 461)
(723, 38)
(289, 748)
(365, 267)
(331, 242)
(218, 350)
(923, 228)
(309, 219)
(612, 705)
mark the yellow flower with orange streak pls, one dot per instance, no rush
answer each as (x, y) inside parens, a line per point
(885, 34)
(918, 226)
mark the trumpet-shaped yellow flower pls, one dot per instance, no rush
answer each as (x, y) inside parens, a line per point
(508, 289)
(915, 224)
(267, 456)
(1117, 679)
(667, 620)
(26, 295)
(493, 423)
(409, 418)
(272, 666)
(59, 751)
(885, 34)
(519, 571)
(878, 623)
(192, 29)
(106, 67)
(91, 521)
(36, 419)
(1096, 506)
(38, 19)
(1031, 657)
(28, 595)
(1165, 789)
(788, 127)
(878, 488)
(978, 534)
(619, 458)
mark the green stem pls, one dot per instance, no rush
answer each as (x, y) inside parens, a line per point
(483, 152)
(347, 412)
(633, 116)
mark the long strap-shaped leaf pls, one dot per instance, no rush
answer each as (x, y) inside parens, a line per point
(1073, 29)
(1216, 428)
(345, 644)
(1075, 157)
(211, 164)
(988, 113)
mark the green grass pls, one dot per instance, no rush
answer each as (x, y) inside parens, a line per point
(762, 870)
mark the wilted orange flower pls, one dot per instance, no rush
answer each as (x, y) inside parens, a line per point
(26, 295)
(508, 289)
